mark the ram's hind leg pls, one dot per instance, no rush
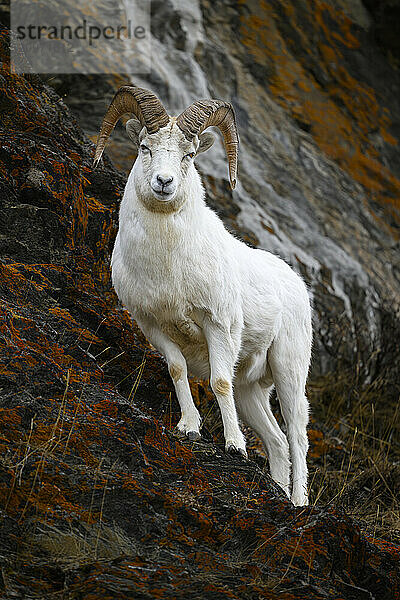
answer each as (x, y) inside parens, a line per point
(289, 371)
(252, 402)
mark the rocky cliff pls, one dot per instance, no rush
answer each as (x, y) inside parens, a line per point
(98, 498)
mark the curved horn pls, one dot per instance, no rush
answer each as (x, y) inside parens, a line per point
(205, 113)
(131, 99)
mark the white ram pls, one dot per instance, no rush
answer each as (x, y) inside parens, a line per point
(210, 304)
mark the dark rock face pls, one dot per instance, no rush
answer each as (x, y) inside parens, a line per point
(385, 26)
(98, 498)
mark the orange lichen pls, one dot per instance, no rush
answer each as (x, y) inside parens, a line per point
(342, 113)
(318, 445)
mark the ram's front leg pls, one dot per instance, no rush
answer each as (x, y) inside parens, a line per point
(189, 423)
(223, 351)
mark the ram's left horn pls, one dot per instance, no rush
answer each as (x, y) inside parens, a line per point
(146, 107)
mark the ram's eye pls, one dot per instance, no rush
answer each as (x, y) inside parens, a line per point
(190, 155)
(145, 149)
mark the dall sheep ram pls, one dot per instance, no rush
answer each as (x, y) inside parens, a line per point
(209, 303)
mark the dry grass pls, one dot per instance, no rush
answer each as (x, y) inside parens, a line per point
(359, 467)
(78, 544)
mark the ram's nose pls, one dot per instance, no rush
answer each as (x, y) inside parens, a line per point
(164, 180)
(163, 186)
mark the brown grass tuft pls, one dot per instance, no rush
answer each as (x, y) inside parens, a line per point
(358, 468)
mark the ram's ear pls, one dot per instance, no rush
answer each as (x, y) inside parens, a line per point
(133, 128)
(206, 141)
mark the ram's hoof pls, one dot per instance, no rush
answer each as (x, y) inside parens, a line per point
(231, 449)
(193, 436)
